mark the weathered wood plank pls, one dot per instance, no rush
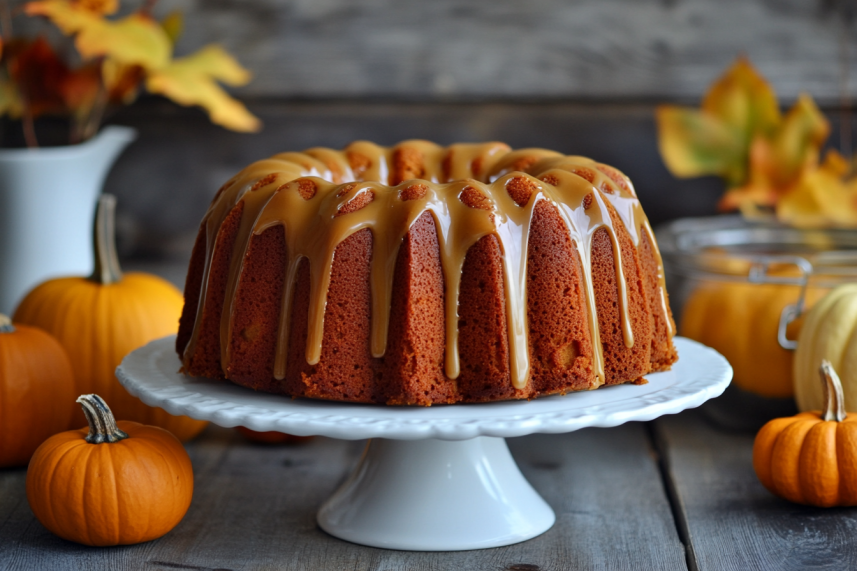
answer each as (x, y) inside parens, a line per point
(732, 522)
(507, 48)
(254, 508)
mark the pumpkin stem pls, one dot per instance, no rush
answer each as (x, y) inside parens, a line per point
(834, 398)
(107, 270)
(102, 424)
(6, 324)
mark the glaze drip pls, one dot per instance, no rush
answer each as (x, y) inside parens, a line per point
(321, 197)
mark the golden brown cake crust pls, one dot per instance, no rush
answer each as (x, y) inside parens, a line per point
(412, 371)
(258, 303)
(206, 358)
(622, 364)
(561, 345)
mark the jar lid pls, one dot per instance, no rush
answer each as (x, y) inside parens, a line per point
(735, 249)
(731, 248)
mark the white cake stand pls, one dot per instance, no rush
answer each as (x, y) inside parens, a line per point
(432, 479)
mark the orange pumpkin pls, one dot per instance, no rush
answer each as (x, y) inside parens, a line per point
(270, 437)
(741, 320)
(102, 318)
(811, 458)
(117, 483)
(36, 383)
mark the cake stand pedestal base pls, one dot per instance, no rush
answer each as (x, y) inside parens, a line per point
(436, 495)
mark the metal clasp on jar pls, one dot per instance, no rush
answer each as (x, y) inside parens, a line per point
(760, 273)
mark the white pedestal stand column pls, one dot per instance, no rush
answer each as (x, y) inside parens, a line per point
(436, 495)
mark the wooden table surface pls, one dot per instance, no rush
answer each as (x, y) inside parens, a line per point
(676, 493)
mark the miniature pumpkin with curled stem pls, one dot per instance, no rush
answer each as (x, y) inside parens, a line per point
(811, 458)
(117, 483)
(102, 318)
(36, 383)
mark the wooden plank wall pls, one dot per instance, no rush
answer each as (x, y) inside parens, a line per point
(626, 49)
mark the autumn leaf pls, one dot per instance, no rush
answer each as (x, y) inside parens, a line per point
(693, 143)
(38, 73)
(173, 25)
(80, 87)
(103, 7)
(121, 81)
(770, 162)
(744, 101)
(10, 100)
(133, 40)
(136, 48)
(192, 80)
(716, 139)
(796, 144)
(777, 162)
(820, 197)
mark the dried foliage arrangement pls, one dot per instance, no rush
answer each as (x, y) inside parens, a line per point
(118, 57)
(771, 162)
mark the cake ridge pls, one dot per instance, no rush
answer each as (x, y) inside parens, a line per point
(583, 191)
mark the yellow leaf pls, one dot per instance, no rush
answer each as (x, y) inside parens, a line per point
(191, 81)
(105, 7)
(10, 100)
(213, 61)
(797, 141)
(135, 39)
(748, 197)
(835, 163)
(742, 99)
(819, 198)
(716, 139)
(121, 81)
(695, 143)
(173, 25)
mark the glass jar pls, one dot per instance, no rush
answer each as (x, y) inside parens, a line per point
(742, 287)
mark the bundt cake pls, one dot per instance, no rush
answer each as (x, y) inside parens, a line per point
(421, 274)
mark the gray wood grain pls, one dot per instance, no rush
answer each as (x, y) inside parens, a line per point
(731, 520)
(254, 508)
(513, 49)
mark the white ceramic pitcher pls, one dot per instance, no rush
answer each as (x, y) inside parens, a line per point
(47, 201)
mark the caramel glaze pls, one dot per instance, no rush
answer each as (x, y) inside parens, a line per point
(322, 198)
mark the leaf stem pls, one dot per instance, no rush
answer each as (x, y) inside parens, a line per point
(93, 122)
(29, 126)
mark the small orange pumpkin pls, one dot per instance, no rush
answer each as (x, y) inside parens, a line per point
(118, 483)
(102, 318)
(36, 383)
(270, 437)
(811, 458)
